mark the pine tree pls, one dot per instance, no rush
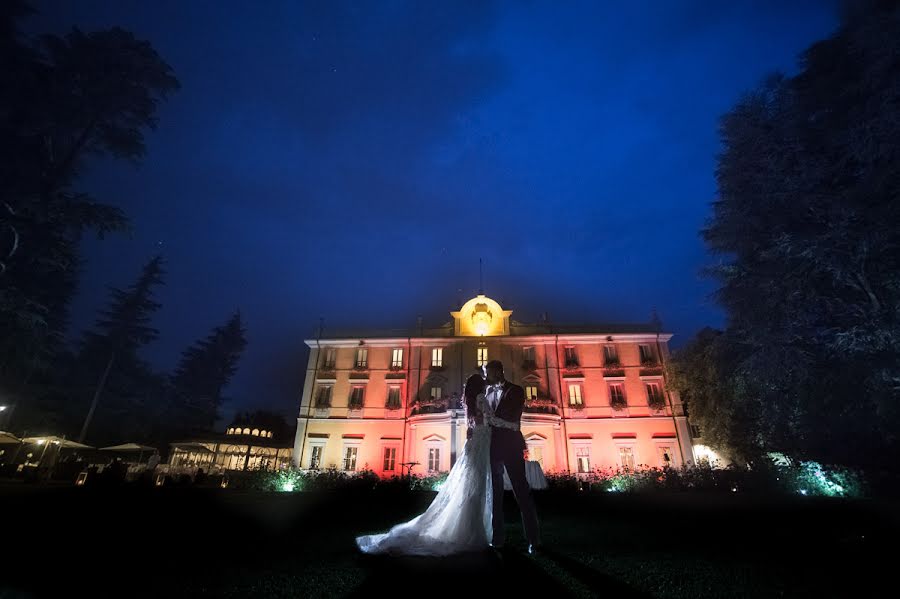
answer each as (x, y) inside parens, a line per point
(203, 372)
(123, 329)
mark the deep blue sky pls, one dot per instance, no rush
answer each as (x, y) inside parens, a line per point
(354, 160)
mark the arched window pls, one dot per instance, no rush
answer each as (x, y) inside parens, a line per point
(246, 431)
(230, 430)
(262, 433)
(256, 432)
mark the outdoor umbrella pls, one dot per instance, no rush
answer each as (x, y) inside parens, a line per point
(63, 443)
(52, 440)
(8, 438)
(130, 448)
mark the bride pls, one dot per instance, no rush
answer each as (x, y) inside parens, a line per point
(459, 517)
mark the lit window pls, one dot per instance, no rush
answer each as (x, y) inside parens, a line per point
(583, 458)
(230, 431)
(664, 452)
(350, 458)
(575, 395)
(536, 454)
(436, 393)
(397, 358)
(571, 357)
(626, 457)
(329, 358)
(255, 432)
(437, 357)
(362, 356)
(315, 459)
(434, 459)
(482, 356)
(246, 431)
(390, 458)
(531, 392)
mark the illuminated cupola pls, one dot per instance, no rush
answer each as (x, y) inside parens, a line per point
(481, 316)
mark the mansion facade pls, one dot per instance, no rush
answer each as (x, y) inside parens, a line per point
(391, 402)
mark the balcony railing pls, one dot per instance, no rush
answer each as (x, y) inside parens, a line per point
(649, 361)
(541, 405)
(431, 405)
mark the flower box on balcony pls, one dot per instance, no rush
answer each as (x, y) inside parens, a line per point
(571, 365)
(361, 366)
(657, 405)
(429, 405)
(359, 375)
(540, 404)
(618, 406)
(395, 375)
(612, 364)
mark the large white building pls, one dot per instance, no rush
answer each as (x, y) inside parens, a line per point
(597, 397)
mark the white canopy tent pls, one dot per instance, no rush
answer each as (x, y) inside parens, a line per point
(131, 448)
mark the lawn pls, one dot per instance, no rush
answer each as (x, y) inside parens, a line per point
(191, 542)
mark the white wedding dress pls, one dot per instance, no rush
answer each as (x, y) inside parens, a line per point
(459, 517)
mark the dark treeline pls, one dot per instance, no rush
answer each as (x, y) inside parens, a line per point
(807, 221)
(65, 100)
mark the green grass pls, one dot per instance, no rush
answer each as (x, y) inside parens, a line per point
(225, 543)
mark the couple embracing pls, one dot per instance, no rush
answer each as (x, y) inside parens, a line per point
(467, 513)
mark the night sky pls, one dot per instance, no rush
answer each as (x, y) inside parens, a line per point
(354, 160)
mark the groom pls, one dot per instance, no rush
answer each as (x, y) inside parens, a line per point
(507, 450)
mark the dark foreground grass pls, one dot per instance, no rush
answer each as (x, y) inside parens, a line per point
(169, 542)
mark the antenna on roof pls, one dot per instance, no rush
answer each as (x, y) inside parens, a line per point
(480, 279)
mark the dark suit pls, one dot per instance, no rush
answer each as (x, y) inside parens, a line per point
(507, 450)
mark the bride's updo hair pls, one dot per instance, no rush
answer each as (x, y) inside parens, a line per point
(474, 385)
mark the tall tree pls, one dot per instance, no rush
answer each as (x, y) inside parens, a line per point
(808, 226)
(124, 328)
(63, 99)
(204, 371)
